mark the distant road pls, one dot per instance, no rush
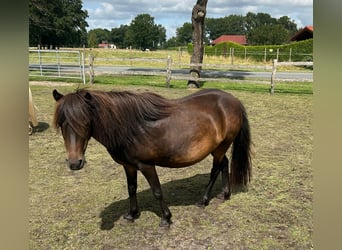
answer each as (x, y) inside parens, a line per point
(240, 74)
(262, 75)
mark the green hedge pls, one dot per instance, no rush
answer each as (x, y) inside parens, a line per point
(296, 51)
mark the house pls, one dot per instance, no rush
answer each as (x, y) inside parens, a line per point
(240, 39)
(106, 45)
(103, 45)
(305, 33)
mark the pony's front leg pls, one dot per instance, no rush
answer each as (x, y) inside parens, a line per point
(151, 176)
(131, 174)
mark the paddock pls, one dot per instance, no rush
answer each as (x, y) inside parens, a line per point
(84, 209)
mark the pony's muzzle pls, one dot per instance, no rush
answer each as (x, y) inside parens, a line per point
(75, 164)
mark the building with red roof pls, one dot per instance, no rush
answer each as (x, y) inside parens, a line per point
(303, 34)
(240, 39)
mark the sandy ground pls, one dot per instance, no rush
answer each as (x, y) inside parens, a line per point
(52, 84)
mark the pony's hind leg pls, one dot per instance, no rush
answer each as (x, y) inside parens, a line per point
(226, 190)
(215, 170)
(220, 164)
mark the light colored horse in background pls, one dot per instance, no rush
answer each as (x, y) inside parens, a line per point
(33, 121)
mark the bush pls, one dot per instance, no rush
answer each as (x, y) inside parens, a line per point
(296, 51)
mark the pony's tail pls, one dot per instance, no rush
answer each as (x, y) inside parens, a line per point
(241, 164)
(32, 111)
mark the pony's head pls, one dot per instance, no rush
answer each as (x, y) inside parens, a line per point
(72, 116)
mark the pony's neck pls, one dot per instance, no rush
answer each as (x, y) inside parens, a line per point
(122, 118)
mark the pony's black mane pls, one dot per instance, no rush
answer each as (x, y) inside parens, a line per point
(119, 116)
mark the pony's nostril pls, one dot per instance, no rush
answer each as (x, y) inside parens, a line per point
(76, 164)
(81, 163)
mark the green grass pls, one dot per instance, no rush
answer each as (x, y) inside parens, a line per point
(180, 59)
(83, 210)
(105, 57)
(160, 81)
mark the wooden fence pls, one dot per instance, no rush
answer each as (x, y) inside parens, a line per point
(170, 72)
(129, 66)
(227, 67)
(275, 64)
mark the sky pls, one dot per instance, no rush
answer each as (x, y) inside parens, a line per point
(108, 14)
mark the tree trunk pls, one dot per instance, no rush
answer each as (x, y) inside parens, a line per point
(197, 19)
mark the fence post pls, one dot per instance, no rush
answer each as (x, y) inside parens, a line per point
(168, 71)
(40, 62)
(58, 63)
(83, 68)
(245, 54)
(179, 57)
(232, 56)
(265, 55)
(274, 69)
(91, 68)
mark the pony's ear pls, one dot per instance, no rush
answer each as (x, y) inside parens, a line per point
(56, 95)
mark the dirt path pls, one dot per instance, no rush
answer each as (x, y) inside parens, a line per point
(51, 84)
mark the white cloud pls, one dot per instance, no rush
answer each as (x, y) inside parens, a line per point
(172, 14)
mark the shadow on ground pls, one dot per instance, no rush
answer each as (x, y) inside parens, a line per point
(182, 192)
(41, 127)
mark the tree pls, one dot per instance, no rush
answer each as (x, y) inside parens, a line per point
(184, 34)
(98, 35)
(229, 25)
(118, 36)
(160, 36)
(235, 24)
(197, 19)
(289, 25)
(262, 29)
(171, 42)
(257, 27)
(268, 35)
(57, 23)
(93, 41)
(39, 21)
(143, 33)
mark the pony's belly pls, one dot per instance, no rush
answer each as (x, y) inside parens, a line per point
(176, 163)
(185, 158)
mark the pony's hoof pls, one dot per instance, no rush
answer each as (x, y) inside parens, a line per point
(165, 224)
(131, 217)
(202, 203)
(223, 196)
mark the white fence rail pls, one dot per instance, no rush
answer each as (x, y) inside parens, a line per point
(71, 64)
(274, 70)
(57, 63)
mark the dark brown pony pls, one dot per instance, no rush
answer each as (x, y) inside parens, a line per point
(141, 131)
